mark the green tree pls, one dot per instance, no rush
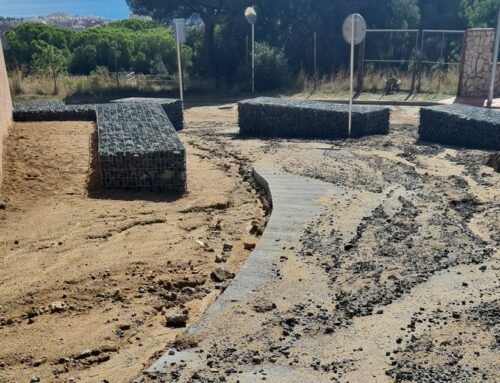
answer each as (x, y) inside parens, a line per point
(441, 14)
(271, 68)
(121, 45)
(212, 12)
(49, 60)
(84, 59)
(158, 66)
(24, 39)
(481, 13)
(287, 24)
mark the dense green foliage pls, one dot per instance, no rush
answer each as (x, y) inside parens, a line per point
(271, 69)
(50, 60)
(480, 13)
(290, 24)
(128, 45)
(220, 50)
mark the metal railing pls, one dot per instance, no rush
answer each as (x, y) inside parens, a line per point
(416, 57)
(144, 80)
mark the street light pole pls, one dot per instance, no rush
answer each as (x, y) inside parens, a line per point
(315, 61)
(251, 16)
(253, 58)
(494, 64)
(353, 21)
(179, 65)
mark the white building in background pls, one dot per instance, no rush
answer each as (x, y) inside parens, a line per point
(58, 19)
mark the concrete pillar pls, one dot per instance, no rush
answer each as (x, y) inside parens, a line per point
(475, 69)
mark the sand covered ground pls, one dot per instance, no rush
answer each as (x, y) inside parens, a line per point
(87, 277)
(401, 269)
(412, 219)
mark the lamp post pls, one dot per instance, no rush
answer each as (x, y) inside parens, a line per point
(354, 31)
(180, 38)
(251, 16)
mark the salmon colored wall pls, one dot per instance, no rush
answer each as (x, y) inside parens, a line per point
(5, 107)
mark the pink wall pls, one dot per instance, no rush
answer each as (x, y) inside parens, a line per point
(5, 107)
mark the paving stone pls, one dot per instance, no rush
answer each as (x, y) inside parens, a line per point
(288, 118)
(461, 125)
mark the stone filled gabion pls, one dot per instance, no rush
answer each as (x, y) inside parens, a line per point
(172, 107)
(53, 111)
(139, 148)
(461, 125)
(287, 118)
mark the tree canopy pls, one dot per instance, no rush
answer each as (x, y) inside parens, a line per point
(139, 45)
(480, 13)
(219, 49)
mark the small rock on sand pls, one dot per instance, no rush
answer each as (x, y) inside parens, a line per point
(177, 320)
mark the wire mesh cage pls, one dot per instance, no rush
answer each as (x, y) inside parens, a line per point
(139, 148)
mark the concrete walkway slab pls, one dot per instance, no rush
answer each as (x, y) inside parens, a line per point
(290, 194)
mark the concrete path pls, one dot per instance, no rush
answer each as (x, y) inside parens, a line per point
(295, 204)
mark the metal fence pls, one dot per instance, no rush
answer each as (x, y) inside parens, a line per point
(440, 52)
(144, 80)
(409, 59)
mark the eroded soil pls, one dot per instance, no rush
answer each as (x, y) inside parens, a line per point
(87, 277)
(406, 253)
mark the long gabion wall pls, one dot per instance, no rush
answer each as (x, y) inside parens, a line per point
(172, 107)
(461, 125)
(53, 111)
(139, 148)
(59, 111)
(287, 118)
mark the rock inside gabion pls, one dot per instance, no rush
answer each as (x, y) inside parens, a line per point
(461, 125)
(139, 148)
(53, 111)
(287, 118)
(172, 107)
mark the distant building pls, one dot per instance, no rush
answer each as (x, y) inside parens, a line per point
(64, 20)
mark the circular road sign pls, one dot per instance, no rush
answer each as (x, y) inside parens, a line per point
(359, 28)
(251, 15)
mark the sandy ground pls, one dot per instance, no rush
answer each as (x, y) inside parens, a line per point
(87, 276)
(382, 248)
(407, 254)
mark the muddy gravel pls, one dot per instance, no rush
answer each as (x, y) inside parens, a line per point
(396, 280)
(407, 219)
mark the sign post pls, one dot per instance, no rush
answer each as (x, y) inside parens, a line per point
(354, 31)
(180, 37)
(315, 60)
(251, 16)
(491, 93)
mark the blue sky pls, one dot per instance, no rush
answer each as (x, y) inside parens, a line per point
(110, 9)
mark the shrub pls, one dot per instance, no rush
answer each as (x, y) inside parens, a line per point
(271, 69)
(99, 77)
